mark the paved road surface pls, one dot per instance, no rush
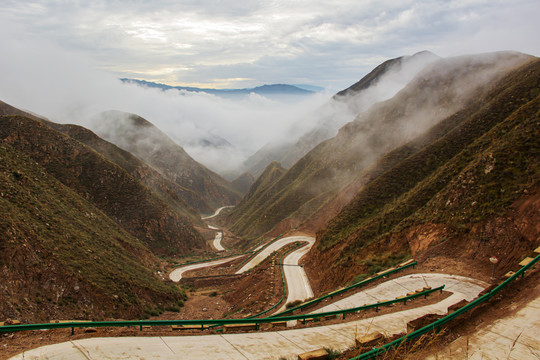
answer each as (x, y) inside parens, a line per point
(298, 286)
(176, 274)
(468, 287)
(216, 213)
(514, 337)
(217, 240)
(278, 244)
(252, 346)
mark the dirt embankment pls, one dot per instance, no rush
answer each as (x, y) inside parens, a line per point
(438, 247)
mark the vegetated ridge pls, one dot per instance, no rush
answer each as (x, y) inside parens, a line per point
(204, 189)
(166, 190)
(340, 109)
(107, 186)
(63, 258)
(335, 169)
(465, 190)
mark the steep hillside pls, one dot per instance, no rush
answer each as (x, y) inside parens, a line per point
(62, 258)
(444, 88)
(379, 84)
(468, 188)
(167, 191)
(205, 190)
(243, 183)
(106, 185)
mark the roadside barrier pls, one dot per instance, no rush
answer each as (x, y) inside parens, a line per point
(436, 325)
(341, 291)
(284, 282)
(204, 324)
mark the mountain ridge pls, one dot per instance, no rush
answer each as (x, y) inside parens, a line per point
(267, 89)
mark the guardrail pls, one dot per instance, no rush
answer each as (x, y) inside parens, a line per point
(341, 291)
(206, 323)
(282, 280)
(436, 325)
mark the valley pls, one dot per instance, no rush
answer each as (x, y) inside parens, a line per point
(116, 243)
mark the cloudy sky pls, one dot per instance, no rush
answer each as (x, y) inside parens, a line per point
(233, 43)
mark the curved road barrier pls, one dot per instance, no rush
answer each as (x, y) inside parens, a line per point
(362, 283)
(436, 325)
(263, 345)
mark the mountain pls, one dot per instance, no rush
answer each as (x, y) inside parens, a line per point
(78, 235)
(264, 90)
(466, 189)
(104, 184)
(243, 183)
(201, 188)
(335, 170)
(379, 84)
(166, 190)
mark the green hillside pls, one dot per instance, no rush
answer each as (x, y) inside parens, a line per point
(444, 88)
(62, 257)
(465, 171)
(204, 190)
(104, 184)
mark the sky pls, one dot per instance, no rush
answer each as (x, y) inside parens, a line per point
(237, 44)
(63, 59)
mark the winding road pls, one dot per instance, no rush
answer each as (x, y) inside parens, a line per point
(217, 212)
(298, 287)
(267, 345)
(217, 240)
(176, 274)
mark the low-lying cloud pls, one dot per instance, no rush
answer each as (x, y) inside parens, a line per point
(65, 87)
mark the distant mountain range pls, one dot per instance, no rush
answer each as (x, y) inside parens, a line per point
(265, 90)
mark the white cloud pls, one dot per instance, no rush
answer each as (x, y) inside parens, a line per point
(138, 38)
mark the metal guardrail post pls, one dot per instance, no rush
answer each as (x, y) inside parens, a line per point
(205, 324)
(436, 325)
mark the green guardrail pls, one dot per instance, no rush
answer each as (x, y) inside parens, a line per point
(341, 291)
(282, 280)
(207, 323)
(436, 325)
(254, 253)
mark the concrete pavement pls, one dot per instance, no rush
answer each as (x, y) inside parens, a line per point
(388, 290)
(217, 212)
(176, 274)
(298, 287)
(262, 345)
(276, 245)
(514, 337)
